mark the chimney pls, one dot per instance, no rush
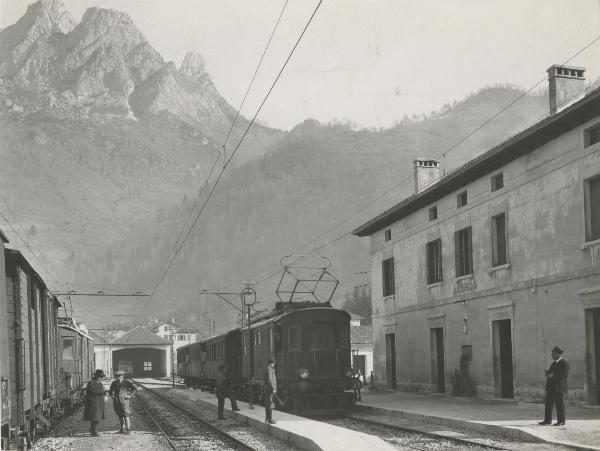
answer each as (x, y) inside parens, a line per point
(566, 83)
(427, 172)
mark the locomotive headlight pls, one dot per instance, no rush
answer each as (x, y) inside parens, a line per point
(303, 373)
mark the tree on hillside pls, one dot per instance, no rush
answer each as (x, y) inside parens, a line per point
(358, 301)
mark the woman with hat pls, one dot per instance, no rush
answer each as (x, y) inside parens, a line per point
(121, 391)
(94, 401)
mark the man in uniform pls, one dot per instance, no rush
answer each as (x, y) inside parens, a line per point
(224, 391)
(556, 388)
(269, 390)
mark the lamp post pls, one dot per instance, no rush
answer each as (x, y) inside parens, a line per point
(248, 295)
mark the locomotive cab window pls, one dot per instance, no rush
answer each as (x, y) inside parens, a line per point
(294, 338)
(323, 335)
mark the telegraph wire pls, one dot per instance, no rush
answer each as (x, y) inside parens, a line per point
(222, 152)
(228, 161)
(443, 155)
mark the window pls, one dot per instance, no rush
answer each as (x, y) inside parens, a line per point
(294, 338)
(592, 136)
(499, 240)
(497, 182)
(181, 337)
(388, 234)
(434, 261)
(592, 209)
(433, 213)
(388, 277)
(67, 353)
(147, 366)
(322, 335)
(461, 199)
(463, 252)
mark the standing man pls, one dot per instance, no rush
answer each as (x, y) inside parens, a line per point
(269, 390)
(556, 388)
(94, 402)
(121, 392)
(224, 391)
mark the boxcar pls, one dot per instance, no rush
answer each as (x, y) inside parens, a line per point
(76, 362)
(32, 382)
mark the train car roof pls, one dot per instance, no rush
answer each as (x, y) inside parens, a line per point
(3, 237)
(83, 334)
(22, 261)
(289, 312)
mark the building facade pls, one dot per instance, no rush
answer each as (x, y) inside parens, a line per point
(479, 274)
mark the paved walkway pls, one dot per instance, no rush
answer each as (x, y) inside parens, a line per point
(506, 418)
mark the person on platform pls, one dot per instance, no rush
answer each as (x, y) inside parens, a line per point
(224, 391)
(270, 390)
(121, 391)
(94, 402)
(556, 388)
(357, 384)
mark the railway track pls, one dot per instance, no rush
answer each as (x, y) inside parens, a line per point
(184, 432)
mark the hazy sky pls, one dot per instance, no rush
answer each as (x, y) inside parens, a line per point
(368, 61)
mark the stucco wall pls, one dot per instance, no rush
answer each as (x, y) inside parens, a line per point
(542, 198)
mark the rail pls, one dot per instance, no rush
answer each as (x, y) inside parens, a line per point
(187, 411)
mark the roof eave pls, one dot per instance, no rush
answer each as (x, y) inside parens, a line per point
(531, 138)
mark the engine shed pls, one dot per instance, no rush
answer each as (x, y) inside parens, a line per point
(139, 352)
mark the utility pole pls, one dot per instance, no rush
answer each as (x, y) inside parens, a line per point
(249, 299)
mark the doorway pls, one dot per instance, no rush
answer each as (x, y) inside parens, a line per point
(592, 354)
(502, 358)
(438, 374)
(390, 359)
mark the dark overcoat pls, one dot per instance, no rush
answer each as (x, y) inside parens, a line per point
(557, 375)
(94, 401)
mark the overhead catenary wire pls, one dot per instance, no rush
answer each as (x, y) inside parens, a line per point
(228, 161)
(442, 155)
(223, 146)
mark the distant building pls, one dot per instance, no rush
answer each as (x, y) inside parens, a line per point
(361, 344)
(481, 272)
(174, 333)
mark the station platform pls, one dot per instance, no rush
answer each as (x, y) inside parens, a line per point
(298, 431)
(504, 418)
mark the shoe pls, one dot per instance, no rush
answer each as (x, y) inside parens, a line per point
(559, 423)
(235, 410)
(120, 432)
(543, 423)
(271, 421)
(95, 434)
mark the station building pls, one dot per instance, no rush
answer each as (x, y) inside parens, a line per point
(479, 273)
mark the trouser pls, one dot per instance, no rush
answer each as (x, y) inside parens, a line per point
(221, 403)
(93, 427)
(269, 407)
(551, 399)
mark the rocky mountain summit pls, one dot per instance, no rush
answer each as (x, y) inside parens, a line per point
(103, 65)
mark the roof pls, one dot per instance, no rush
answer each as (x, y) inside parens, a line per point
(140, 335)
(3, 236)
(520, 144)
(361, 334)
(355, 316)
(20, 260)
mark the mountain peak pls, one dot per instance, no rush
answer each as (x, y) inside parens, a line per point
(50, 15)
(194, 66)
(108, 25)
